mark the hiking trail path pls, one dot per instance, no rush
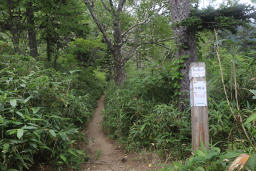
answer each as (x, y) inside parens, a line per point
(105, 155)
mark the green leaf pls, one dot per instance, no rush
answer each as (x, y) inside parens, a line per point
(253, 92)
(35, 109)
(63, 136)
(251, 164)
(13, 103)
(29, 127)
(72, 152)
(12, 170)
(12, 131)
(5, 148)
(63, 158)
(229, 155)
(20, 133)
(251, 118)
(52, 132)
(1, 120)
(1, 107)
(20, 114)
(23, 85)
(45, 147)
(27, 99)
(200, 168)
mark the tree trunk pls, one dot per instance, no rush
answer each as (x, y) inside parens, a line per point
(15, 41)
(185, 44)
(55, 61)
(31, 30)
(48, 48)
(14, 27)
(119, 62)
(119, 68)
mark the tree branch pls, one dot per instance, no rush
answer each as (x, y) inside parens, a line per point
(105, 6)
(131, 53)
(133, 27)
(137, 24)
(102, 29)
(156, 42)
(161, 45)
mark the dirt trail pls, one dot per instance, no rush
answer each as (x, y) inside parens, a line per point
(105, 155)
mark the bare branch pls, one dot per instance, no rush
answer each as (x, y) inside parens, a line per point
(102, 29)
(129, 30)
(161, 45)
(133, 27)
(131, 53)
(105, 6)
(156, 42)
(164, 40)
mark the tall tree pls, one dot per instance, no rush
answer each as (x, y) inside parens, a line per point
(31, 29)
(115, 45)
(12, 13)
(61, 22)
(117, 33)
(185, 41)
(17, 18)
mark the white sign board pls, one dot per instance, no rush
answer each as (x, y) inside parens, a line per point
(198, 95)
(198, 71)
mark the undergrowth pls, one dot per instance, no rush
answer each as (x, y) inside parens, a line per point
(144, 113)
(210, 160)
(42, 113)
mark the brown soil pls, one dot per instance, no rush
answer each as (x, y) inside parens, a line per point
(106, 155)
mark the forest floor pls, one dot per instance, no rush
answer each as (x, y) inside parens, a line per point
(106, 155)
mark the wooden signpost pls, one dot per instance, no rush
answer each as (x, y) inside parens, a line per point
(198, 102)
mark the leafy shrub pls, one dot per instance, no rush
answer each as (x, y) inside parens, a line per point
(164, 128)
(159, 84)
(210, 160)
(220, 121)
(42, 113)
(84, 52)
(122, 109)
(234, 64)
(140, 115)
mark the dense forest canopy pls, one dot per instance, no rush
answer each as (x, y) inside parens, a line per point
(57, 57)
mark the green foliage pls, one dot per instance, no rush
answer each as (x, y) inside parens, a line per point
(228, 17)
(204, 160)
(5, 45)
(236, 61)
(84, 52)
(42, 113)
(142, 114)
(160, 83)
(210, 160)
(163, 128)
(254, 93)
(140, 123)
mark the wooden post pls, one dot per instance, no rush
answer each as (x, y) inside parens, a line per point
(198, 102)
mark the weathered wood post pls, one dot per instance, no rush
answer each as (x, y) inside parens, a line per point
(198, 102)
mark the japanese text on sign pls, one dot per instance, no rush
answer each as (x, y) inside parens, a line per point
(198, 96)
(197, 72)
